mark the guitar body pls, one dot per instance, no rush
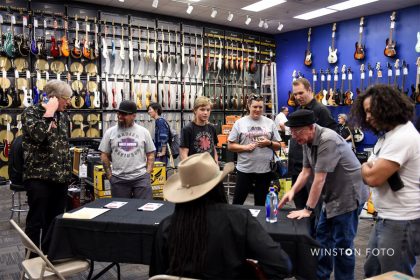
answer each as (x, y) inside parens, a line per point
(36, 95)
(291, 100)
(16, 102)
(65, 49)
(348, 99)
(27, 99)
(308, 58)
(105, 101)
(9, 45)
(331, 98)
(358, 135)
(390, 50)
(332, 56)
(86, 50)
(54, 50)
(359, 53)
(320, 95)
(34, 47)
(324, 98)
(4, 99)
(23, 46)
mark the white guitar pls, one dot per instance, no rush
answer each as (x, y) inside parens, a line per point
(418, 42)
(96, 95)
(104, 43)
(130, 47)
(332, 56)
(27, 94)
(122, 50)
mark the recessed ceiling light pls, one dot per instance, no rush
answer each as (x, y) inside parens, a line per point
(195, 0)
(248, 20)
(315, 14)
(121, 0)
(213, 13)
(350, 4)
(262, 5)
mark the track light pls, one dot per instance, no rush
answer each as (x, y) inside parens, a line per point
(213, 13)
(261, 23)
(248, 20)
(155, 3)
(280, 27)
(230, 16)
(190, 8)
(265, 24)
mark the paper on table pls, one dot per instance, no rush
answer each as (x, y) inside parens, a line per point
(151, 206)
(254, 212)
(85, 213)
(115, 204)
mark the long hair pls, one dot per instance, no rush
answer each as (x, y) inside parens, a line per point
(188, 233)
(388, 107)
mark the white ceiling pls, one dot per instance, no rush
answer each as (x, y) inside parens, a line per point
(283, 13)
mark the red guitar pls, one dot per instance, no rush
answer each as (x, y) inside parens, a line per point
(54, 49)
(390, 50)
(308, 53)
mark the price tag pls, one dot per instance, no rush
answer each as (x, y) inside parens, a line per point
(333, 35)
(315, 78)
(343, 76)
(35, 23)
(405, 71)
(45, 23)
(397, 72)
(328, 77)
(362, 76)
(361, 29)
(13, 19)
(392, 24)
(58, 76)
(87, 27)
(322, 78)
(389, 72)
(335, 78)
(28, 74)
(25, 21)
(370, 73)
(16, 74)
(47, 76)
(350, 77)
(83, 171)
(38, 75)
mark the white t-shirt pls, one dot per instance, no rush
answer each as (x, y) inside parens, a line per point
(128, 148)
(400, 145)
(281, 119)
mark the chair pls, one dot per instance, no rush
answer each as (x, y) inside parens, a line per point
(169, 277)
(41, 268)
(17, 206)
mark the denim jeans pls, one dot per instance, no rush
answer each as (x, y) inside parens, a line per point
(337, 234)
(399, 243)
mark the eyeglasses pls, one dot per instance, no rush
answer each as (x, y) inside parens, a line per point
(297, 131)
(67, 98)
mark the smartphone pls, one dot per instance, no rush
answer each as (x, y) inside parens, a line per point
(395, 182)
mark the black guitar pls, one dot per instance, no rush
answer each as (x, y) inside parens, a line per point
(16, 102)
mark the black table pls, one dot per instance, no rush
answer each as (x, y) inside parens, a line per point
(125, 235)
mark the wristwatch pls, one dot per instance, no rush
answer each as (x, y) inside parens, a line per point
(309, 208)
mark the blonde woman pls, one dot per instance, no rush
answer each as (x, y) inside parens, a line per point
(199, 136)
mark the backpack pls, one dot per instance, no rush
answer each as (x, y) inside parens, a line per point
(173, 142)
(16, 161)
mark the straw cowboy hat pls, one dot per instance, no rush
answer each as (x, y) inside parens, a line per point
(196, 176)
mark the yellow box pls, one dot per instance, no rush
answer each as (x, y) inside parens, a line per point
(158, 176)
(100, 182)
(221, 139)
(76, 160)
(102, 194)
(285, 186)
(157, 192)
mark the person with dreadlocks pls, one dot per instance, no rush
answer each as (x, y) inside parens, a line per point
(392, 172)
(207, 238)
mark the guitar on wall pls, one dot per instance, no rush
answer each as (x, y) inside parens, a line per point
(348, 96)
(332, 56)
(390, 48)
(417, 48)
(291, 100)
(359, 53)
(415, 95)
(333, 90)
(308, 53)
(396, 74)
(362, 79)
(404, 77)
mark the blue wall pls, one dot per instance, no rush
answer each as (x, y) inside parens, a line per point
(291, 48)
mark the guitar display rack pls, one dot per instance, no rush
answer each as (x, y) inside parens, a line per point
(99, 85)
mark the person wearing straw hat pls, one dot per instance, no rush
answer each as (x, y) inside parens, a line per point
(206, 237)
(336, 175)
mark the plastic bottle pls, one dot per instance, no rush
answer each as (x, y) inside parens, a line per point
(271, 203)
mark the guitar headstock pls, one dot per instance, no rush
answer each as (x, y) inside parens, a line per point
(309, 31)
(314, 71)
(328, 72)
(294, 74)
(349, 70)
(343, 69)
(397, 64)
(378, 66)
(393, 16)
(334, 27)
(335, 70)
(300, 75)
(362, 68)
(321, 72)
(362, 19)
(388, 65)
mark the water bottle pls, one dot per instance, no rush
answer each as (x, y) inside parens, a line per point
(271, 203)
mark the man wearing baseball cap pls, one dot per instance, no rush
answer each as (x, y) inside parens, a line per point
(336, 175)
(130, 148)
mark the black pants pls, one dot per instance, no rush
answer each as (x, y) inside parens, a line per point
(300, 200)
(46, 200)
(244, 183)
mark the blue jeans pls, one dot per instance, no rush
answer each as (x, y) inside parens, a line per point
(337, 234)
(399, 242)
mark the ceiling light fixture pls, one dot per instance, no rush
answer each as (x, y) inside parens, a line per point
(350, 4)
(315, 14)
(265, 24)
(261, 23)
(280, 27)
(121, 0)
(213, 13)
(155, 3)
(262, 5)
(230, 16)
(190, 8)
(248, 20)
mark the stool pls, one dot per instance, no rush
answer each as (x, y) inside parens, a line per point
(17, 207)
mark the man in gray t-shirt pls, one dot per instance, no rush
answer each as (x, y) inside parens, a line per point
(130, 148)
(336, 174)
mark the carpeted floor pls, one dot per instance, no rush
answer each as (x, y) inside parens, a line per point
(12, 252)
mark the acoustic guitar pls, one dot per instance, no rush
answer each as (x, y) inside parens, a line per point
(308, 53)
(390, 48)
(359, 53)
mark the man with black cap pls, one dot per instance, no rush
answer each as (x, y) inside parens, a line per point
(130, 148)
(336, 175)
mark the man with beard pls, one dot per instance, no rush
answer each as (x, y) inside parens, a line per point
(131, 150)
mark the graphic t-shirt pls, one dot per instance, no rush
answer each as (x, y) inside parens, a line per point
(198, 139)
(128, 148)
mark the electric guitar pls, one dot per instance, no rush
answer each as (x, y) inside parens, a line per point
(416, 89)
(332, 56)
(105, 101)
(104, 42)
(65, 49)
(397, 73)
(370, 75)
(389, 67)
(54, 50)
(113, 51)
(34, 45)
(378, 73)
(9, 43)
(75, 51)
(96, 96)
(359, 53)
(86, 47)
(23, 45)
(42, 44)
(362, 79)
(95, 50)
(254, 67)
(339, 95)
(404, 77)
(333, 90)
(321, 93)
(27, 97)
(348, 100)
(308, 53)
(390, 48)
(417, 48)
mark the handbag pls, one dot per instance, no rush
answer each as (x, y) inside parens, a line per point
(278, 166)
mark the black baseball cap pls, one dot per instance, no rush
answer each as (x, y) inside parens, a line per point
(128, 107)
